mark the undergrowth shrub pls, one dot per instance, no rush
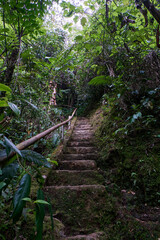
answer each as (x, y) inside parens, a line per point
(129, 135)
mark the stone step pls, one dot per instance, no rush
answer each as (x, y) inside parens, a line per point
(79, 144)
(79, 123)
(82, 209)
(81, 138)
(83, 135)
(77, 165)
(82, 125)
(82, 131)
(80, 150)
(92, 236)
(74, 177)
(86, 121)
(87, 156)
(86, 128)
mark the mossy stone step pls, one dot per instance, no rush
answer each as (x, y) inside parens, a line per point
(79, 144)
(78, 128)
(83, 131)
(79, 138)
(82, 125)
(86, 121)
(80, 150)
(92, 236)
(82, 134)
(74, 177)
(76, 189)
(82, 209)
(78, 165)
(86, 156)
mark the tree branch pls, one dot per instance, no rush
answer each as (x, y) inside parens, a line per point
(151, 8)
(157, 37)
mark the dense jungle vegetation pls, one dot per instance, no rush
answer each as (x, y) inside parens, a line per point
(93, 54)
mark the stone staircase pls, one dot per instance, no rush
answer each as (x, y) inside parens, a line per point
(76, 188)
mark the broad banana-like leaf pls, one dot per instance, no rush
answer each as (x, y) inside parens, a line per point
(22, 192)
(4, 88)
(12, 146)
(37, 158)
(3, 103)
(40, 213)
(9, 172)
(30, 104)
(14, 108)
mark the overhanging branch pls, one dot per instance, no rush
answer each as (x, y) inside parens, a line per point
(152, 9)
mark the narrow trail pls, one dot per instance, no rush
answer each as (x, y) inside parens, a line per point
(76, 187)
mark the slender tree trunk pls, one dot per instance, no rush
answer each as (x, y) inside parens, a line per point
(11, 63)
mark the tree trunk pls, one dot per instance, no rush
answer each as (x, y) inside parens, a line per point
(11, 63)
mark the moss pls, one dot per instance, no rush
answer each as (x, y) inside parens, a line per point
(129, 157)
(74, 178)
(27, 230)
(75, 205)
(129, 230)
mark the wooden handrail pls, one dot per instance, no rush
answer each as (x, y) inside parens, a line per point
(34, 139)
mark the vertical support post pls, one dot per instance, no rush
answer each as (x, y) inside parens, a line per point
(69, 124)
(62, 129)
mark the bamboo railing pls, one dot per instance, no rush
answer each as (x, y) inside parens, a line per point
(34, 139)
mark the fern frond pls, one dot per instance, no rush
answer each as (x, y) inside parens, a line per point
(101, 80)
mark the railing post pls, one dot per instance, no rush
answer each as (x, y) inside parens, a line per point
(69, 123)
(62, 132)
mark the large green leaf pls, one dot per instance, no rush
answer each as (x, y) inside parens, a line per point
(12, 146)
(35, 157)
(83, 21)
(41, 201)
(9, 171)
(101, 80)
(51, 216)
(78, 38)
(14, 108)
(40, 213)
(22, 192)
(30, 104)
(75, 19)
(2, 184)
(4, 88)
(3, 103)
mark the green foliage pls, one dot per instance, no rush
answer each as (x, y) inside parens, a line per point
(4, 88)
(9, 172)
(34, 157)
(22, 192)
(81, 62)
(4, 97)
(83, 21)
(40, 213)
(101, 80)
(10, 146)
(14, 108)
